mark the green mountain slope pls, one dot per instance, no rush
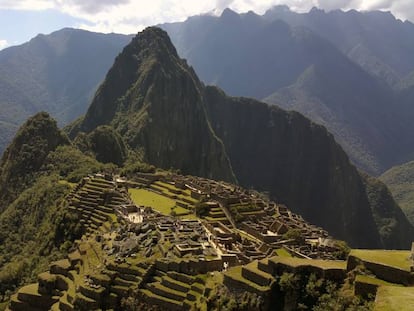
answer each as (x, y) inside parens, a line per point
(354, 108)
(154, 100)
(340, 69)
(57, 73)
(376, 40)
(35, 227)
(159, 107)
(400, 180)
(24, 157)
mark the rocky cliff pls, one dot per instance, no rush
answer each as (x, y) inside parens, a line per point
(158, 105)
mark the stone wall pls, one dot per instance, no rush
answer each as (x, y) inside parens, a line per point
(387, 273)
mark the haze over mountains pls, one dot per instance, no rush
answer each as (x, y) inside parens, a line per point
(349, 71)
(345, 70)
(152, 108)
(156, 102)
(58, 73)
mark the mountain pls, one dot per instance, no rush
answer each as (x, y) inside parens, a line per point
(314, 63)
(376, 40)
(160, 108)
(400, 180)
(58, 73)
(35, 226)
(24, 157)
(145, 95)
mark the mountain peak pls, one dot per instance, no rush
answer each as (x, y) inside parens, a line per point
(154, 99)
(229, 15)
(154, 39)
(26, 154)
(149, 53)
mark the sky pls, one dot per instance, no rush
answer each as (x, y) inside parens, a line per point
(21, 20)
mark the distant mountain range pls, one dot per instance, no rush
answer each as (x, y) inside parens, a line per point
(160, 108)
(58, 73)
(350, 71)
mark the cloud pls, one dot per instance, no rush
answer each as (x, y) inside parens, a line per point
(3, 44)
(130, 16)
(33, 5)
(90, 6)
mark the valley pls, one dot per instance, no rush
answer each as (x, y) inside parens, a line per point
(140, 177)
(214, 235)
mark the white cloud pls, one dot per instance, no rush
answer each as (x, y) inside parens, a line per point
(3, 44)
(130, 16)
(34, 5)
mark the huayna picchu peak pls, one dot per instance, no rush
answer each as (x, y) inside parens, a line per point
(155, 101)
(170, 195)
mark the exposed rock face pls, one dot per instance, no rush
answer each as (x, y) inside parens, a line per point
(26, 154)
(158, 105)
(155, 101)
(298, 161)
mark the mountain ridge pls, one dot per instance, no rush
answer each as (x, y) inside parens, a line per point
(283, 45)
(57, 73)
(252, 137)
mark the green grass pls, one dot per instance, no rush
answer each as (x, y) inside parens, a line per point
(297, 262)
(400, 180)
(397, 259)
(3, 305)
(158, 202)
(372, 280)
(252, 266)
(31, 289)
(65, 182)
(394, 298)
(235, 274)
(283, 253)
(181, 211)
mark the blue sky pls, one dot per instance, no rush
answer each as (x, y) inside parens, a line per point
(18, 26)
(21, 20)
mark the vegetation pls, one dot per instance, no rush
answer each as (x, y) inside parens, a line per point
(394, 298)
(57, 73)
(105, 144)
(31, 233)
(398, 259)
(143, 197)
(307, 292)
(25, 156)
(35, 227)
(39, 167)
(400, 180)
(394, 228)
(217, 140)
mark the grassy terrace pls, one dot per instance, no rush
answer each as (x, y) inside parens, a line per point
(65, 182)
(394, 298)
(283, 253)
(397, 259)
(158, 202)
(170, 189)
(372, 280)
(297, 262)
(235, 274)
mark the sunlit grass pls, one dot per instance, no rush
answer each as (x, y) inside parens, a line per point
(143, 197)
(394, 298)
(398, 259)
